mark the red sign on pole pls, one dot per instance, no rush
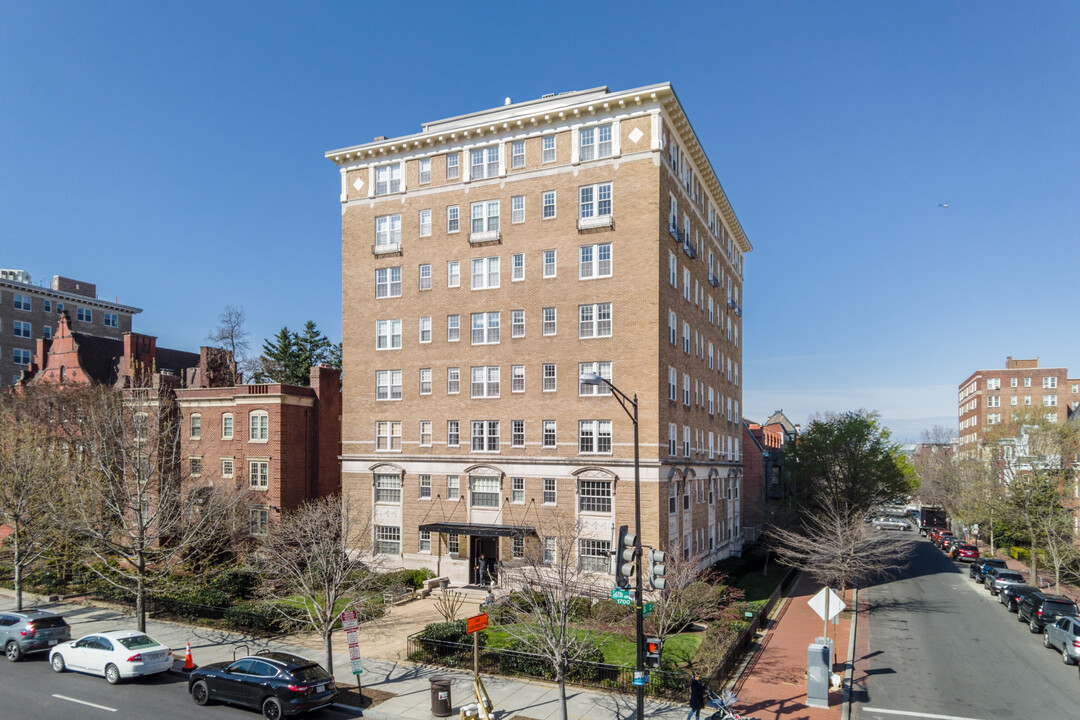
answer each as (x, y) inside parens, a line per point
(476, 622)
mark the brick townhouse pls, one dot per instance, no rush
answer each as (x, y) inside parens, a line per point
(491, 260)
(766, 481)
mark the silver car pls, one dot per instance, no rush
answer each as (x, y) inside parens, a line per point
(31, 631)
(890, 523)
(998, 578)
(1064, 636)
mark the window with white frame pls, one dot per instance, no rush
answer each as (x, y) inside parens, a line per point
(601, 368)
(388, 282)
(517, 490)
(517, 154)
(425, 170)
(686, 389)
(485, 328)
(388, 385)
(423, 543)
(549, 428)
(453, 274)
(548, 149)
(549, 263)
(549, 491)
(517, 267)
(453, 380)
(594, 437)
(594, 142)
(485, 435)
(21, 329)
(424, 493)
(46, 332)
(673, 439)
(594, 496)
(453, 219)
(425, 381)
(112, 320)
(425, 276)
(258, 474)
(227, 465)
(387, 540)
(547, 208)
(686, 283)
(594, 201)
(594, 320)
(485, 273)
(21, 302)
(594, 261)
(258, 426)
(594, 555)
(673, 327)
(517, 378)
(484, 216)
(388, 435)
(84, 315)
(485, 381)
(425, 223)
(259, 519)
(1049, 382)
(549, 554)
(1049, 400)
(549, 378)
(1027, 382)
(673, 383)
(195, 467)
(517, 209)
(227, 426)
(453, 542)
(452, 163)
(387, 488)
(1012, 382)
(196, 426)
(549, 321)
(388, 231)
(425, 433)
(388, 179)
(484, 492)
(686, 441)
(453, 328)
(517, 433)
(517, 323)
(993, 401)
(993, 383)
(388, 334)
(485, 162)
(453, 433)
(686, 337)
(425, 329)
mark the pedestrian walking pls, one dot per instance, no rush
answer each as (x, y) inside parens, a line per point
(697, 697)
(482, 570)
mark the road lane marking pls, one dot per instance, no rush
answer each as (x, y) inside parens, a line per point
(83, 702)
(908, 713)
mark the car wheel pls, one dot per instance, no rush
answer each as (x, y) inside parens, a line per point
(200, 692)
(57, 663)
(112, 674)
(1065, 655)
(1046, 639)
(271, 708)
(1033, 626)
(13, 652)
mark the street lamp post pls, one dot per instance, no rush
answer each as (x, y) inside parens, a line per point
(630, 405)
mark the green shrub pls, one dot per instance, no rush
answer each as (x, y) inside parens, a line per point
(527, 663)
(258, 618)
(451, 632)
(238, 581)
(1021, 554)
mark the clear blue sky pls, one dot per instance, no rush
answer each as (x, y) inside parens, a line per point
(173, 154)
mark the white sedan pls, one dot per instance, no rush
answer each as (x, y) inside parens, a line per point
(116, 655)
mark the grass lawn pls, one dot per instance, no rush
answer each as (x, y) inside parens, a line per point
(620, 649)
(758, 586)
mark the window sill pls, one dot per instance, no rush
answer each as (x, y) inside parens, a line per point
(488, 236)
(595, 222)
(386, 249)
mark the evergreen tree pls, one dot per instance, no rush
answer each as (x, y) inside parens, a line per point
(282, 361)
(312, 348)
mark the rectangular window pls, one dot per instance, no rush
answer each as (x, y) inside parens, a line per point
(425, 277)
(517, 378)
(549, 434)
(258, 474)
(452, 160)
(549, 323)
(601, 368)
(425, 223)
(594, 437)
(425, 434)
(387, 232)
(425, 329)
(549, 551)
(24, 302)
(1050, 382)
(673, 384)
(259, 426)
(594, 261)
(196, 466)
(387, 540)
(423, 544)
(452, 219)
(1012, 382)
(387, 334)
(594, 201)
(484, 216)
(993, 401)
(425, 488)
(548, 149)
(594, 555)
(453, 274)
(112, 320)
(517, 323)
(84, 315)
(517, 154)
(388, 179)
(453, 328)
(259, 519)
(21, 329)
(226, 427)
(226, 467)
(485, 328)
(1027, 382)
(549, 263)
(453, 380)
(485, 435)
(549, 491)
(993, 384)
(517, 209)
(453, 434)
(388, 282)
(673, 439)
(686, 337)
(594, 320)
(196, 426)
(485, 273)
(485, 162)
(686, 451)
(549, 377)
(594, 496)
(453, 543)
(425, 381)
(425, 170)
(517, 490)
(548, 205)
(1049, 400)
(673, 327)
(388, 436)
(485, 492)
(517, 433)
(594, 143)
(48, 305)
(517, 265)
(485, 381)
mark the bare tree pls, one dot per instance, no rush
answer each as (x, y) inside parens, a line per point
(135, 506)
(449, 603)
(553, 585)
(940, 483)
(316, 558)
(837, 548)
(231, 333)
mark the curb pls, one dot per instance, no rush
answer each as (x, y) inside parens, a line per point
(845, 702)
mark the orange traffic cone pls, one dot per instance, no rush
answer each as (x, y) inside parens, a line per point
(189, 665)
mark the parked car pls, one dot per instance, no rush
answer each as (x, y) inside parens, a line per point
(890, 523)
(31, 631)
(979, 568)
(1011, 595)
(940, 536)
(1064, 636)
(115, 655)
(964, 552)
(1039, 610)
(997, 578)
(275, 683)
(947, 543)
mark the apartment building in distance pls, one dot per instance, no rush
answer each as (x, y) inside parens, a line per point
(29, 312)
(490, 261)
(990, 397)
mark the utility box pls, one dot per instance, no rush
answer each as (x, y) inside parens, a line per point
(818, 670)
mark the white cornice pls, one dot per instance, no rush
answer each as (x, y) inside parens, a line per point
(67, 297)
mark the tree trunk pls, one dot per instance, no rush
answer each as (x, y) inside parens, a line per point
(140, 600)
(18, 568)
(327, 640)
(560, 678)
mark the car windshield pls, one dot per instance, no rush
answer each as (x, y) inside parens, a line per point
(53, 621)
(311, 673)
(138, 642)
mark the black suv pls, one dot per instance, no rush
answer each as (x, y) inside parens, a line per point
(1040, 610)
(275, 683)
(979, 567)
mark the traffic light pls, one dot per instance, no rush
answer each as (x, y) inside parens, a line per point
(656, 569)
(652, 652)
(624, 557)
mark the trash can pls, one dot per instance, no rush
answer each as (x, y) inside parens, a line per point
(441, 706)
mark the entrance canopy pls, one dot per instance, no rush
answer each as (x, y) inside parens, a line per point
(478, 530)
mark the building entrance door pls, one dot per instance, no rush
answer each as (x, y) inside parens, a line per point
(485, 561)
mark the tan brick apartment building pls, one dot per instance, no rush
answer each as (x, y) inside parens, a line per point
(31, 312)
(491, 259)
(990, 397)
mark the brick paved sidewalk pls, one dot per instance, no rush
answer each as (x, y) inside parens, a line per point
(773, 685)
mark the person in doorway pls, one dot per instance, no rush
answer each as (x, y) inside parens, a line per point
(697, 697)
(482, 570)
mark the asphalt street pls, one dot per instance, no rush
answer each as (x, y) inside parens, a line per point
(942, 648)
